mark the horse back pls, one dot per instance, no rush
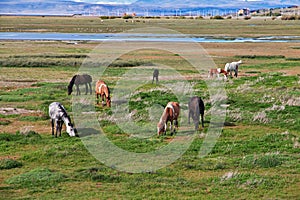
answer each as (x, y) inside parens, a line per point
(196, 105)
(176, 109)
(57, 111)
(87, 78)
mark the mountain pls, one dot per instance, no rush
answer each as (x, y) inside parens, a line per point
(140, 7)
(178, 4)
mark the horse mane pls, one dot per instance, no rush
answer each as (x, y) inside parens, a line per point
(63, 110)
(70, 86)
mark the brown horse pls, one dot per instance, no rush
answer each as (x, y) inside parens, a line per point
(196, 108)
(80, 80)
(217, 72)
(102, 90)
(171, 114)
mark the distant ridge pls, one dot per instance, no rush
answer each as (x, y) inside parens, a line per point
(140, 7)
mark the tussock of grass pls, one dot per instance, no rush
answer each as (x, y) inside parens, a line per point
(98, 174)
(249, 180)
(42, 177)
(128, 63)
(264, 161)
(9, 163)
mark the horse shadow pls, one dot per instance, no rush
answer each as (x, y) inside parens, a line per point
(84, 132)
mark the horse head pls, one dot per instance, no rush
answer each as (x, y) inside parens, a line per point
(71, 130)
(108, 102)
(161, 128)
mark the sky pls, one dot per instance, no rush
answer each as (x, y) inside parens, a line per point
(108, 1)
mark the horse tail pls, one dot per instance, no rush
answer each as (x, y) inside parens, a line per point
(108, 92)
(201, 106)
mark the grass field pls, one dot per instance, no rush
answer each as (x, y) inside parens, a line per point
(256, 156)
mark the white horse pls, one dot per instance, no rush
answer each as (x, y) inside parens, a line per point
(233, 66)
(58, 115)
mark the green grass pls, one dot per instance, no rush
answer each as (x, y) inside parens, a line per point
(256, 156)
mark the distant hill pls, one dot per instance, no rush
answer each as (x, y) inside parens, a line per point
(177, 4)
(140, 7)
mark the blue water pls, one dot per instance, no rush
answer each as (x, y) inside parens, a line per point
(137, 37)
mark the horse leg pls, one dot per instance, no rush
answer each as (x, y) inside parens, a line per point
(86, 88)
(52, 126)
(202, 120)
(57, 127)
(77, 90)
(102, 98)
(235, 73)
(189, 117)
(90, 88)
(60, 127)
(156, 80)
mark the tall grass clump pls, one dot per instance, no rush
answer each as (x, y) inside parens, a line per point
(39, 177)
(263, 161)
(9, 163)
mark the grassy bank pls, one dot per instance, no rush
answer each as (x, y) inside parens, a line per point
(229, 27)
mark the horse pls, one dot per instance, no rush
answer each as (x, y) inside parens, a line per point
(171, 113)
(59, 115)
(233, 66)
(103, 90)
(217, 72)
(155, 75)
(80, 80)
(196, 108)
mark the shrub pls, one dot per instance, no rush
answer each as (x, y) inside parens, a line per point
(217, 17)
(127, 17)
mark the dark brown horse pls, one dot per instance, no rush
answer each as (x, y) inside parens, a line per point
(196, 108)
(171, 114)
(155, 75)
(103, 90)
(80, 80)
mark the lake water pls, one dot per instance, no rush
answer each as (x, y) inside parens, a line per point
(137, 37)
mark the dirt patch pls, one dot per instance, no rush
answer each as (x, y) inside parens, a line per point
(41, 127)
(260, 49)
(16, 111)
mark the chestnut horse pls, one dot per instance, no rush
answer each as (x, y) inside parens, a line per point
(171, 114)
(103, 90)
(217, 72)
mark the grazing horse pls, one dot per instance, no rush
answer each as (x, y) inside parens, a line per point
(102, 90)
(80, 80)
(59, 115)
(217, 72)
(196, 108)
(233, 66)
(171, 113)
(155, 75)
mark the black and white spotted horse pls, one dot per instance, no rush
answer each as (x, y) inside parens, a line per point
(59, 115)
